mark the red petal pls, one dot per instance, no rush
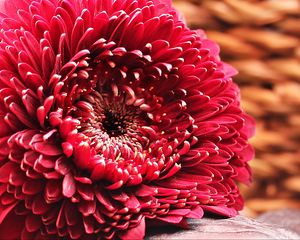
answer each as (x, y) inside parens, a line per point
(30, 157)
(180, 212)
(21, 114)
(136, 233)
(87, 207)
(132, 203)
(62, 166)
(4, 150)
(83, 180)
(68, 186)
(196, 213)
(115, 185)
(88, 223)
(221, 210)
(171, 219)
(145, 190)
(32, 223)
(176, 167)
(82, 155)
(99, 218)
(86, 192)
(67, 149)
(39, 205)
(5, 171)
(71, 214)
(7, 199)
(52, 175)
(26, 235)
(243, 174)
(32, 187)
(12, 226)
(105, 200)
(5, 210)
(4, 128)
(75, 231)
(98, 171)
(67, 126)
(47, 148)
(61, 220)
(46, 162)
(3, 187)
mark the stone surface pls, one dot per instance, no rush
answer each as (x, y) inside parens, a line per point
(233, 228)
(288, 219)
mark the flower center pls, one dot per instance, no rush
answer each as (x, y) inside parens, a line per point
(106, 119)
(114, 123)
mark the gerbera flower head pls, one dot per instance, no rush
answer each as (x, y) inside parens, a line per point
(113, 114)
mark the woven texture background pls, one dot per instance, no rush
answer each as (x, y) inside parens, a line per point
(261, 38)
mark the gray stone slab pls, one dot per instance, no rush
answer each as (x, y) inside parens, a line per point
(287, 218)
(239, 227)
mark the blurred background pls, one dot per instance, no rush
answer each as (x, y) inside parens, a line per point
(261, 38)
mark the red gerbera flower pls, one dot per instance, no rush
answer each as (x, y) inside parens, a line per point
(112, 114)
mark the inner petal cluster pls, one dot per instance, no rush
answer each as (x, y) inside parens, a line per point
(108, 117)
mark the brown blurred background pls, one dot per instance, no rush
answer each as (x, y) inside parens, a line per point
(261, 38)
